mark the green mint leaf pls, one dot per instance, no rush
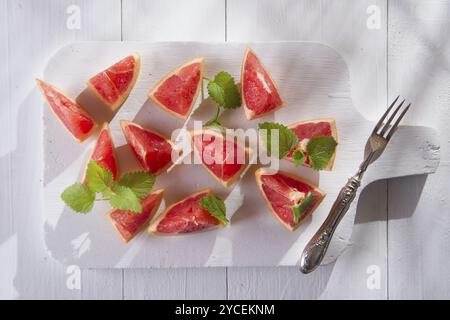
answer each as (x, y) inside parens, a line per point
(215, 206)
(298, 157)
(287, 140)
(141, 183)
(223, 90)
(215, 124)
(304, 204)
(79, 198)
(99, 178)
(320, 150)
(125, 199)
(216, 93)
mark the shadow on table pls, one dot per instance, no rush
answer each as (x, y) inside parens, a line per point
(375, 193)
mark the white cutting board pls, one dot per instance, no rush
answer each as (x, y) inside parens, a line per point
(314, 83)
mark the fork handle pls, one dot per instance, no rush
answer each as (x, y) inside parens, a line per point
(316, 248)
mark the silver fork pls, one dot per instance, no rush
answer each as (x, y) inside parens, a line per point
(316, 248)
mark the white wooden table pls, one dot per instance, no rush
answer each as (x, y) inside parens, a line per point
(401, 242)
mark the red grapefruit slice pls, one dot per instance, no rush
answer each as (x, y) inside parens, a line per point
(282, 191)
(177, 92)
(152, 150)
(114, 84)
(71, 115)
(185, 216)
(260, 95)
(128, 223)
(305, 130)
(222, 158)
(104, 152)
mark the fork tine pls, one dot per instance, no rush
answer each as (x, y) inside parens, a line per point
(380, 122)
(386, 126)
(395, 126)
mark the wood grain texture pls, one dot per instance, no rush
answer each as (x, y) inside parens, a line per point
(8, 251)
(183, 283)
(102, 284)
(418, 233)
(417, 40)
(38, 28)
(328, 22)
(173, 20)
(163, 21)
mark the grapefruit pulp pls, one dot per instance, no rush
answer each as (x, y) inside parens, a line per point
(152, 150)
(70, 114)
(282, 191)
(114, 84)
(185, 216)
(128, 223)
(104, 152)
(305, 130)
(260, 94)
(223, 159)
(177, 92)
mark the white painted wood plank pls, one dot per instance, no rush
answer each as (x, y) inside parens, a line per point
(36, 29)
(160, 284)
(341, 24)
(8, 242)
(174, 20)
(164, 21)
(419, 223)
(104, 284)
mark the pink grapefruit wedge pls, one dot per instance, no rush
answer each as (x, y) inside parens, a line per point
(114, 84)
(104, 152)
(128, 224)
(282, 191)
(69, 113)
(178, 91)
(223, 159)
(152, 150)
(305, 130)
(185, 216)
(260, 95)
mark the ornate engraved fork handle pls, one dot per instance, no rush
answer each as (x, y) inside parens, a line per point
(318, 245)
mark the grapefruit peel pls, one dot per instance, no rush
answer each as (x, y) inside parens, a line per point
(103, 81)
(218, 134)
(263, 85)
(317, 152)
(104, 152)
(294, 195)
(141, 154)
(153, 94)
(129, 224)
(192, 219)
(69, 113)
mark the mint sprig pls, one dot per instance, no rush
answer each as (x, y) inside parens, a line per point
(287, 139)
(124, 198)
(215, 206)
(141, 183)
(320, 150)
(123, 195)
(301, 208)
(299, 157)
(79, 197)
(99, 179)
(224, 91)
